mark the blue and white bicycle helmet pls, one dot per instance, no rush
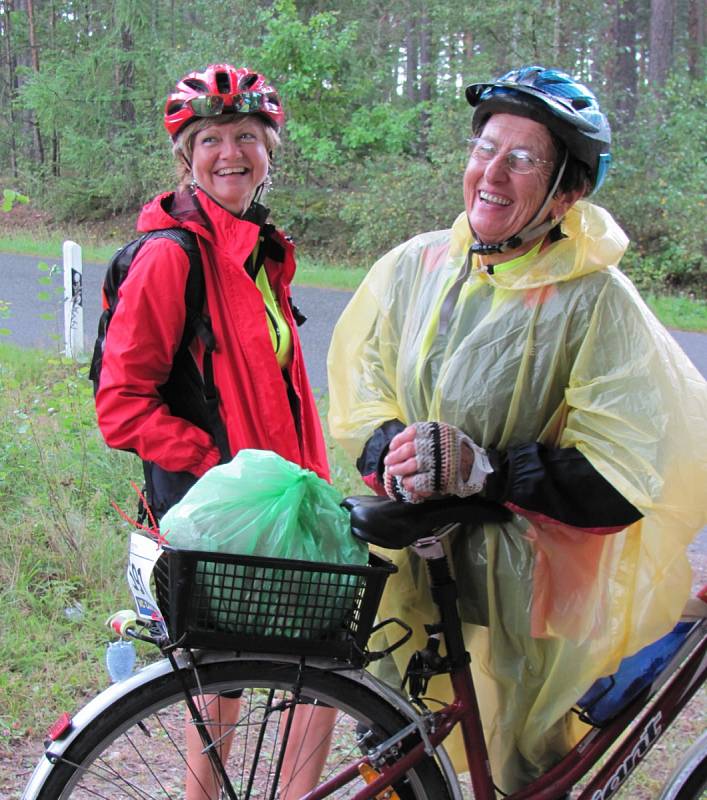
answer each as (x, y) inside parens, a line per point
(566, 107)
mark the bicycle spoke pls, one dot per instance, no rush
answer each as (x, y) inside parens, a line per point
(109, 778)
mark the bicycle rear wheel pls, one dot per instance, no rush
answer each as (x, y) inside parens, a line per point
(689, 779)
(135, 747)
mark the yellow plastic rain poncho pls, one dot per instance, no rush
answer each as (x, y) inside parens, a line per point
(555, 347)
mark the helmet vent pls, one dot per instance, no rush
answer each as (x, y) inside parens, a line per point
(223, 82)
(247, 81)
(172, 108)
(579, 103)
(196, 85)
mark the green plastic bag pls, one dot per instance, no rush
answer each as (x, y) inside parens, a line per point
(260, 504)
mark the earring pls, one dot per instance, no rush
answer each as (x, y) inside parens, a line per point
(193, 185)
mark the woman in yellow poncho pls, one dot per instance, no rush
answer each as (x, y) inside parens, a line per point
(509, 356)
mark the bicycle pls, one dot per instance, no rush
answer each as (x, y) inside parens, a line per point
(388, 744)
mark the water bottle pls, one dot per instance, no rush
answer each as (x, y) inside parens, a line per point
(120, 660)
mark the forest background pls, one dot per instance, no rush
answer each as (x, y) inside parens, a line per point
(374, 146)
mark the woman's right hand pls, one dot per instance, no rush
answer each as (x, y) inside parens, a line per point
(432, 458)
(401, 468)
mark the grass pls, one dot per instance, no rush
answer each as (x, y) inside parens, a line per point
(677, 312)
(47, 245)
(63, 550)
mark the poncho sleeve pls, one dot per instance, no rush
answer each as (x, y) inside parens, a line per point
(361, 362)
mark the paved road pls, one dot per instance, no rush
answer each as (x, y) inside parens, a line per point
(19, 285)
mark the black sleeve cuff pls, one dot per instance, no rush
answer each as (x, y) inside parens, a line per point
(370, 462)
(558, 483)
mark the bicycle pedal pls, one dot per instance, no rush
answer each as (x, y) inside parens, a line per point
(369, 775)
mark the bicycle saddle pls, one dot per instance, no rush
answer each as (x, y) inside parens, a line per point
(388, 523)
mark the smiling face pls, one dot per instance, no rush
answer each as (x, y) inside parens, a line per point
(499, 203)
(229, 161)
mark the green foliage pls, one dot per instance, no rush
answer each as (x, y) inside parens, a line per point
(5, 313)
(388, 128)
(387, 206)
(309, 62)
(657, 189)
(394, 197)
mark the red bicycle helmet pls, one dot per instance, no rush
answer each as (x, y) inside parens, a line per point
(219, 89)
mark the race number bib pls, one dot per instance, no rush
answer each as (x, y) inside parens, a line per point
(143, 554)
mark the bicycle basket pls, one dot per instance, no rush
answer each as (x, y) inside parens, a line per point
(227, 602)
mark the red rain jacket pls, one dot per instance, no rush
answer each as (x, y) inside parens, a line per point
(145, 333)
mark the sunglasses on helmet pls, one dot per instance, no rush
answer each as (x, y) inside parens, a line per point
(211, 105)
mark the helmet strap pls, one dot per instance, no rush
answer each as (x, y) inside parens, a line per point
(533, 229)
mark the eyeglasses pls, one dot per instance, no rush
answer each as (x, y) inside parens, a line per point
(211, 105)
(518, 160)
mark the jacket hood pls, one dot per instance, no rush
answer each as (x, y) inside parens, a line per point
(592, 241)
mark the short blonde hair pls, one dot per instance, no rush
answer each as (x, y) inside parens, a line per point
(183, 147)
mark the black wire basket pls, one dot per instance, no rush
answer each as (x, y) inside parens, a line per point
(249, 603)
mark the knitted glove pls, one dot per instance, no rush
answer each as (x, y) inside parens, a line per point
(438, 452)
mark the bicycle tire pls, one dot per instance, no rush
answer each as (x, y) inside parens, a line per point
(688, 780)
(113, 758)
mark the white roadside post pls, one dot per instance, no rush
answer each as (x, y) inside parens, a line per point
(73, 300)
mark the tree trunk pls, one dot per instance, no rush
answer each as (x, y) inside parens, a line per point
(696, 39)
(625, 77)
(661, 42)
(55, 150)
(10, 68)
(425, 80)
(125, 76)
(425, 65)
(560, 31)
(34, 56)
(411, 62)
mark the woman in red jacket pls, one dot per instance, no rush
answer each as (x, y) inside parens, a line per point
(224, 124)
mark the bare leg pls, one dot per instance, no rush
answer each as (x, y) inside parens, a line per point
(307, 750)
(222, 713)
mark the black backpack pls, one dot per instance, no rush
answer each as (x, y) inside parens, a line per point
(187, 394)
